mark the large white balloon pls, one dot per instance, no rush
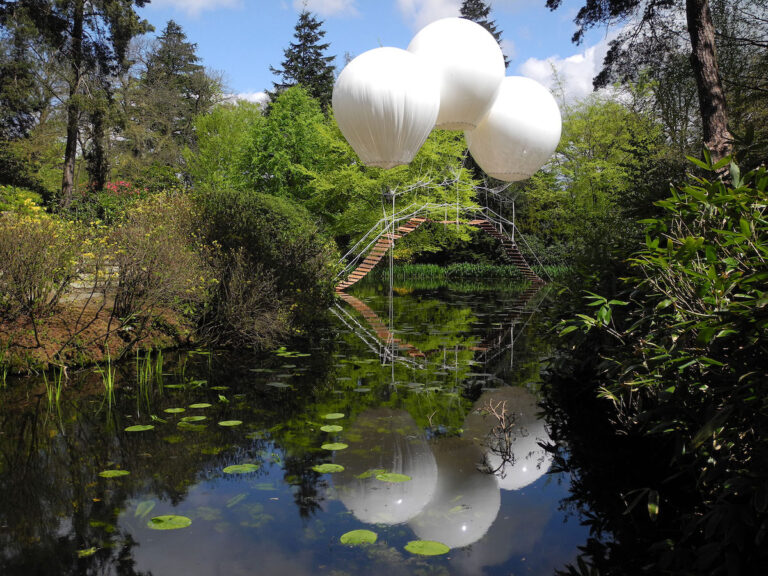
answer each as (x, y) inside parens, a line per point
(466, 501)
(529, 461)
(520, 132)
(470, 65)
(386, 102)
(389, 440)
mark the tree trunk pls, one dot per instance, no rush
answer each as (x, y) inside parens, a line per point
(714, 115)
(73, 107)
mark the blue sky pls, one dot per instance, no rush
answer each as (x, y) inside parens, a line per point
(242, 38)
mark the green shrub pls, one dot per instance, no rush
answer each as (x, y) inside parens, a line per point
(21, 200)
(278, 237)
(40, 256)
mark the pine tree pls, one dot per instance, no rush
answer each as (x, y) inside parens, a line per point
(305, 63)
(478, 11)
(175, 88)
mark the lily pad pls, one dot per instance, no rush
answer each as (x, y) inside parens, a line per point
(358, 537)
(113, 473)
(191, 427)
(140, 428)
(393, 477)
(241, 468)
(193, 418)
(220, 388)
(229, 423)
(278, 385)
(335, 446)
(334, 416)
(200, 405)
(331, 428)
(427, 548)
(370, 474)
(169, 522)
(174, 410)
(328, 468)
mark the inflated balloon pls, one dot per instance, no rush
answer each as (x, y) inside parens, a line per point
(386, 102)
(529, 461)
(470, 65)
(520, 132)
(386, 441)
(466, 501)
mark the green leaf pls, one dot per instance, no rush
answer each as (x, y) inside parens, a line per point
(194, 418)
(653, 504)
(735, 175)
(698, 163)
(174, 410)
(745, 229)
(230, 423)
(334, 416)
(568, 330)
(200, 405)
(87, 552)
(335, 446)
(140, 428)
(331, 428)
(241, 468)
(113, 473)
(392, 477)
(358, 537)
(427, 548)
(169, 522)
(328, 468)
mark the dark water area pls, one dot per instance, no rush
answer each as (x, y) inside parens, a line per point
(410, 380)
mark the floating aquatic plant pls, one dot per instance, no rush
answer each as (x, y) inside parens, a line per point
(140, 428)
(427, 548)
(334, 446)
(392, 477)
(241, 468)
(174, 410)
(331, 428)
(230, 423)
(328, 468)
(200, 405)
(358, 537)
(113, 473)
(169, 522)
(334, 416)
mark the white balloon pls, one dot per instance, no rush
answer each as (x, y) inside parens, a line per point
(386, 101)
(529, 460)
(520, 132)
(389, 440)
(466, 501)
(470, 65)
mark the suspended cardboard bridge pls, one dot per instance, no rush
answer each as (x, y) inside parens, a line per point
(371, 253)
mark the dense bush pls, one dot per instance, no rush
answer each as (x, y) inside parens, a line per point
(159, 258)
(278, 238)
(689, 360)
(40, 256)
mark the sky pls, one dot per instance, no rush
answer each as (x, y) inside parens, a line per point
(241, 39)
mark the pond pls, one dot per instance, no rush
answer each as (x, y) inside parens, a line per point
(414, 418)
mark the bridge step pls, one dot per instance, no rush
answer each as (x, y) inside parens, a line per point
(510, 250)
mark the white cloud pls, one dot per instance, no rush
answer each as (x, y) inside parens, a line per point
(419, 13)
(257, 97)
(575, 73)
(328, 7)
(195, 7)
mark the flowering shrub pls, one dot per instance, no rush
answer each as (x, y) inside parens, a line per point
(123, 188)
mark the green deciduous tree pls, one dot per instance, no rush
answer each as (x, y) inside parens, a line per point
(305, 62)
(88, 38)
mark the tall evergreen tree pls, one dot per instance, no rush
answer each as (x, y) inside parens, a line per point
(479, 11)
(175, 88)
(89, 38)
(305, 62)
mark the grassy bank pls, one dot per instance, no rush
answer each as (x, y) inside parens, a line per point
(464, 270)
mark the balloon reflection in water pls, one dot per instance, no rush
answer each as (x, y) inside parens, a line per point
(513, 455)
(466, 501)
(385, 440)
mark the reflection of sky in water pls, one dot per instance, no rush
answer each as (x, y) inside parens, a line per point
(286, 519)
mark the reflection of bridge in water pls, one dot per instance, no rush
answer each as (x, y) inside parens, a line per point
(380, 337)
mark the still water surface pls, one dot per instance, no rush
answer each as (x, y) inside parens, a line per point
(417, 408)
